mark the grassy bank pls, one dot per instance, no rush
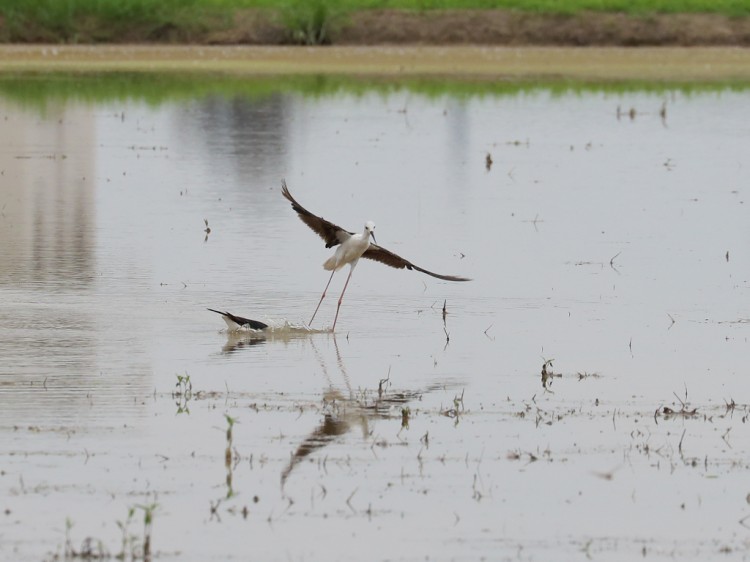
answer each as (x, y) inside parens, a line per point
(300, 21)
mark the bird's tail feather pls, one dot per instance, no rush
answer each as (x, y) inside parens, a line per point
(330, 263)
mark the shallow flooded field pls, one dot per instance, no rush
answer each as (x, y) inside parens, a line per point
(584, 397)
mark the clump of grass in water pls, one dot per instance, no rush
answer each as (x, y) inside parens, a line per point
(183, 394)
(457, 410)
(91, 549)
(148, 521)
(131, 549)
(405, 414)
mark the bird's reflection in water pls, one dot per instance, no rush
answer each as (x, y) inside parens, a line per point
(336, 422)
(240, 339)
(343, 413)
(343, 410)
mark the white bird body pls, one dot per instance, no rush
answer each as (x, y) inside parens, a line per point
(351, 249)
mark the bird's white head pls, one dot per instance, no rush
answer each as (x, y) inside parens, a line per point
(370, 230)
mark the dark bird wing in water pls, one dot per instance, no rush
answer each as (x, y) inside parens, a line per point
(235, 322)
(333, 235)
(329, 232)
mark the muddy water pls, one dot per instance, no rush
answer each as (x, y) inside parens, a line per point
(613, 245)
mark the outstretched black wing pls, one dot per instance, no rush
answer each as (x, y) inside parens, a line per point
(377, 253)
(331, 233)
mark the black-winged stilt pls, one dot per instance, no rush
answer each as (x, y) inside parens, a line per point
(351, 247)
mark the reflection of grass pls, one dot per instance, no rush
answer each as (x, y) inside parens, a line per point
(40, 90)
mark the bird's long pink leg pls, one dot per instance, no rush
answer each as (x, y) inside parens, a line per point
(321, 298)
(341, 298)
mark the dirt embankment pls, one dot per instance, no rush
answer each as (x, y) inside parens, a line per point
(500, 27)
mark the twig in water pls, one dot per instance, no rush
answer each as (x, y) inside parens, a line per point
(724, 437)
(612, 262)
(487, 330)
(381, 388)
(731, 405)
(679, 447)
(349, 499)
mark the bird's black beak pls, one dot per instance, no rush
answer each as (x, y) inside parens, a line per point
(373, 236)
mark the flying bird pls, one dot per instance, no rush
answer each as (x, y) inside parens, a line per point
(351, 247)
(238, 322)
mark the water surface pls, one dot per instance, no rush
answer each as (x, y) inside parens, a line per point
(611, 242)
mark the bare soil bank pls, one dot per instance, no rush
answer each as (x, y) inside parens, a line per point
(460, 62)
(497, 27)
